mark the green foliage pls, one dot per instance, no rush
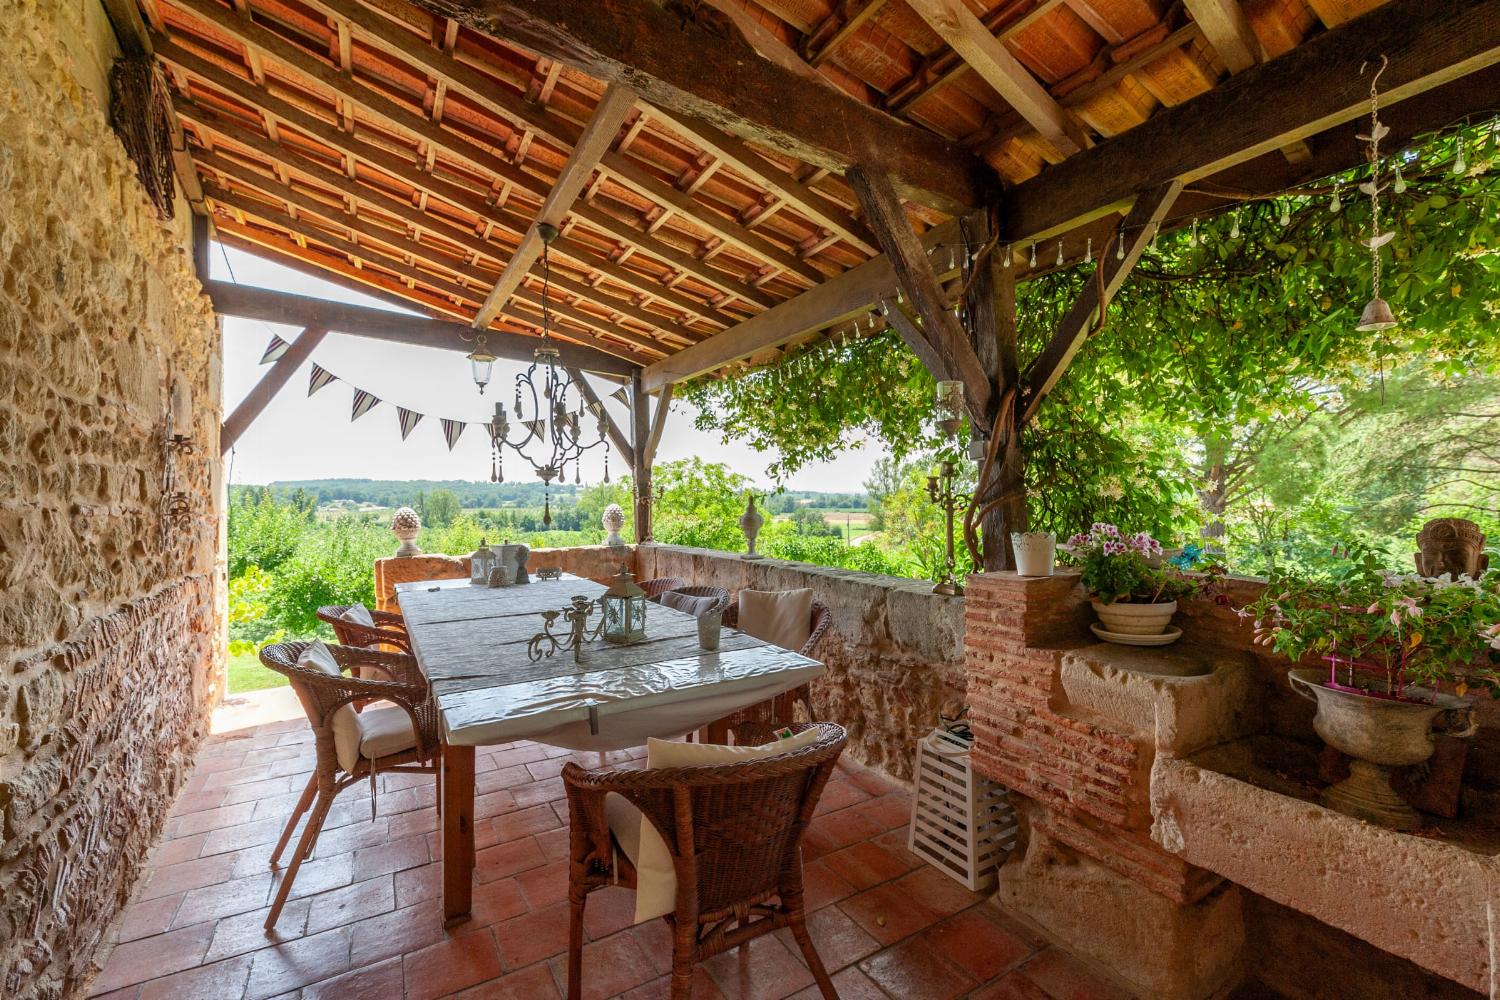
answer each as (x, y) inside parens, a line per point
(438, 508)
(332, 566)
(593, 500)
(700, 504)
(807, 521)
(263, 531)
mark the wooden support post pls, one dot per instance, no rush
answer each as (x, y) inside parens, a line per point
(640, 473)
(658, 423)
(270, 384)
(458, 833)
(201, 238)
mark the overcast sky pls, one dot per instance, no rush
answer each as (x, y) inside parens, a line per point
(302, 437)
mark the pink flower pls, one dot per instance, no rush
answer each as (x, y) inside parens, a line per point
(1373, 608)
(1078, 541)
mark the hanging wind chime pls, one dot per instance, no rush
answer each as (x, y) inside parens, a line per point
(1377, 314)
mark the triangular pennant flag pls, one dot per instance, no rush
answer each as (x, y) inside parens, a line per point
(408, 420)
(320, 377)
(451, 430)
(537, 426)
(274, 350)
(364, 402)
(620, 395)
(596, 409)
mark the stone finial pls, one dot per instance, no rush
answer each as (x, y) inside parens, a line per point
(406, 525)
(614, 520)
(1452, 547)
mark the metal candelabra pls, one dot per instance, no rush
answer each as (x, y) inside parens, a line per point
(941, 492)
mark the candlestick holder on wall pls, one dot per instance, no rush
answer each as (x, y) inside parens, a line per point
(176, 509)
(546, 642)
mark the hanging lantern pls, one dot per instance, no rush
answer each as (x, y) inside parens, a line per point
(624, 606)
(481, 361)
(949, 406)
(481, 564)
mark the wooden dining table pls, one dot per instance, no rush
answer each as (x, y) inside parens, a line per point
(471, 643)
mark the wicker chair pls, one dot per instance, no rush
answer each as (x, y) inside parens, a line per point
(719, 594)
(782, 710)
(655, 588)
(734, 832)
(322, 694)
(390, 628)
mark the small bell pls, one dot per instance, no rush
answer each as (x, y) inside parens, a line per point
(1234, 230)
(1376, 316)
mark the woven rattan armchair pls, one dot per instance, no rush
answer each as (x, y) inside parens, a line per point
(655, 588)
(719, 594)
(734, 832)
(390, 628)
(322, 695)
(782, 709)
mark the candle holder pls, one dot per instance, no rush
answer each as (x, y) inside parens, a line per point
(546, 642)
(941, 492)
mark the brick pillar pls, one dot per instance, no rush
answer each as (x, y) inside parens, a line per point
(1089, 874)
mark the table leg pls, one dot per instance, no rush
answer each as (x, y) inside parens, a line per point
(458, 833)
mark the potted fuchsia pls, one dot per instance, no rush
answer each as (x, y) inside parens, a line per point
(1398, 655)
(1134, 591)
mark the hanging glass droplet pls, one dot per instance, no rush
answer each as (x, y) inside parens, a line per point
(952, 259)
(1193, 237)
(1059, 253)
(1005, 258)
(1234, 230)
(1400, 183)
(1033, 255)
(1154, 234)
(1337, 205)
(606, 463)
(1460, 165)
(900, 296)
(1088, 251)
(1286, 213)
(1120, 248)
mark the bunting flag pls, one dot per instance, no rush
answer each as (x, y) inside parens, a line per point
(536, 426)
(408, 420)
(451, 431)
(364, 402)
(274, 350)
(620, 395)
(320, 377)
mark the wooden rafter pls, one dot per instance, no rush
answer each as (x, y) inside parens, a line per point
(378, 324)
(940, 330)
(1311, 88)
(1137, 230)
(680, 67)
(658, 422)
(1228, 30)
(824, 40)
(988, 56)
(602, 130)
(269, 385)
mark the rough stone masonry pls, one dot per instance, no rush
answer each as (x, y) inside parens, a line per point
(109, 629)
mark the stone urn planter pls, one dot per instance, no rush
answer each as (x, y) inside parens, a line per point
(1131, 618)
(1378, 732)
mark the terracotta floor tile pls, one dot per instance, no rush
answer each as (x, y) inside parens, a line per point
(937, 891)
(507, 859)
(524, 823)
(246, 932)
(834, 830)
(193, 802)
(416, 884)
(375, 982)
(655, 939)
(502, 778)
(395, 933)
(851, 984)
(554, 844)
(887, 914)
(492, 804)
(185, 875)
(123, 993)
(912, 970)
(149, 917)
(1066, 978)
(538, 792)
(660, 988)
(535, 982)
(497, 901)
(158, 955)
(977, 944)
(418, 822)
(889, 812)
(839, 940)
(545, 885)
(760, 970)
(610, 967)
(320, 874)
(222, 980)
(252, 790)
(533, 937)
(609, 911)
(1012, 986)
(840, 793)
(351, 903)
(452, 964)
(865, 864)
(821, 885)
(350, 837)
(223, 900)
(214, 819)
(233, 838)
(395, 856)
(525, 754)
(543, 769)
(294, 964)
(171, 852)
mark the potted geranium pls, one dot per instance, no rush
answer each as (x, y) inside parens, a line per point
(1134, 593)
(1398, 653)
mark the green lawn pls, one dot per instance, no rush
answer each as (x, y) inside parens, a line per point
(246, 674)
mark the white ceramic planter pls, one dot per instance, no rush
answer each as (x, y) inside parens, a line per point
(1036, 552)
(1135, 619)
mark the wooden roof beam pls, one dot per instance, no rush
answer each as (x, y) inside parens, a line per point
(1310, 89)
(377, 324)
(822, 43)
(684, 68)
(988, 56)
(602, 130)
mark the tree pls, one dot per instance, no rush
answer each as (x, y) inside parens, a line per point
(700, 504)
(439, 508)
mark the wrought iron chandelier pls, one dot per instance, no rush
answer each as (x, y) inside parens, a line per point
(552, 432)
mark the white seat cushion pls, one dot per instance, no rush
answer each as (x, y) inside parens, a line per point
(358, 614)
(687, 604)
(781, 617)
(384, 730)
(643, 843)
(345, 723)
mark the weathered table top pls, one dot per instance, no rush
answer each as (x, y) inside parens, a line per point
(471, 643)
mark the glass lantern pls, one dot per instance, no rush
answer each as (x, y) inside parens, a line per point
(481, 361)
(624, 606)
(481, 563)
(949, 406)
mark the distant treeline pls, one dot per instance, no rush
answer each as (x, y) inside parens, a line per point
(408, 492)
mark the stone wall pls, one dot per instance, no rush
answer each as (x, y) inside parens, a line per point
(594, 562)
(110, 632)
(895, 651)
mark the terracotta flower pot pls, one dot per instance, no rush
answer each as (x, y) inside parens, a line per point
(1125, 618)
(1378, 733)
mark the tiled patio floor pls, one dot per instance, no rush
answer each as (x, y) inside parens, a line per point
(364, 918)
